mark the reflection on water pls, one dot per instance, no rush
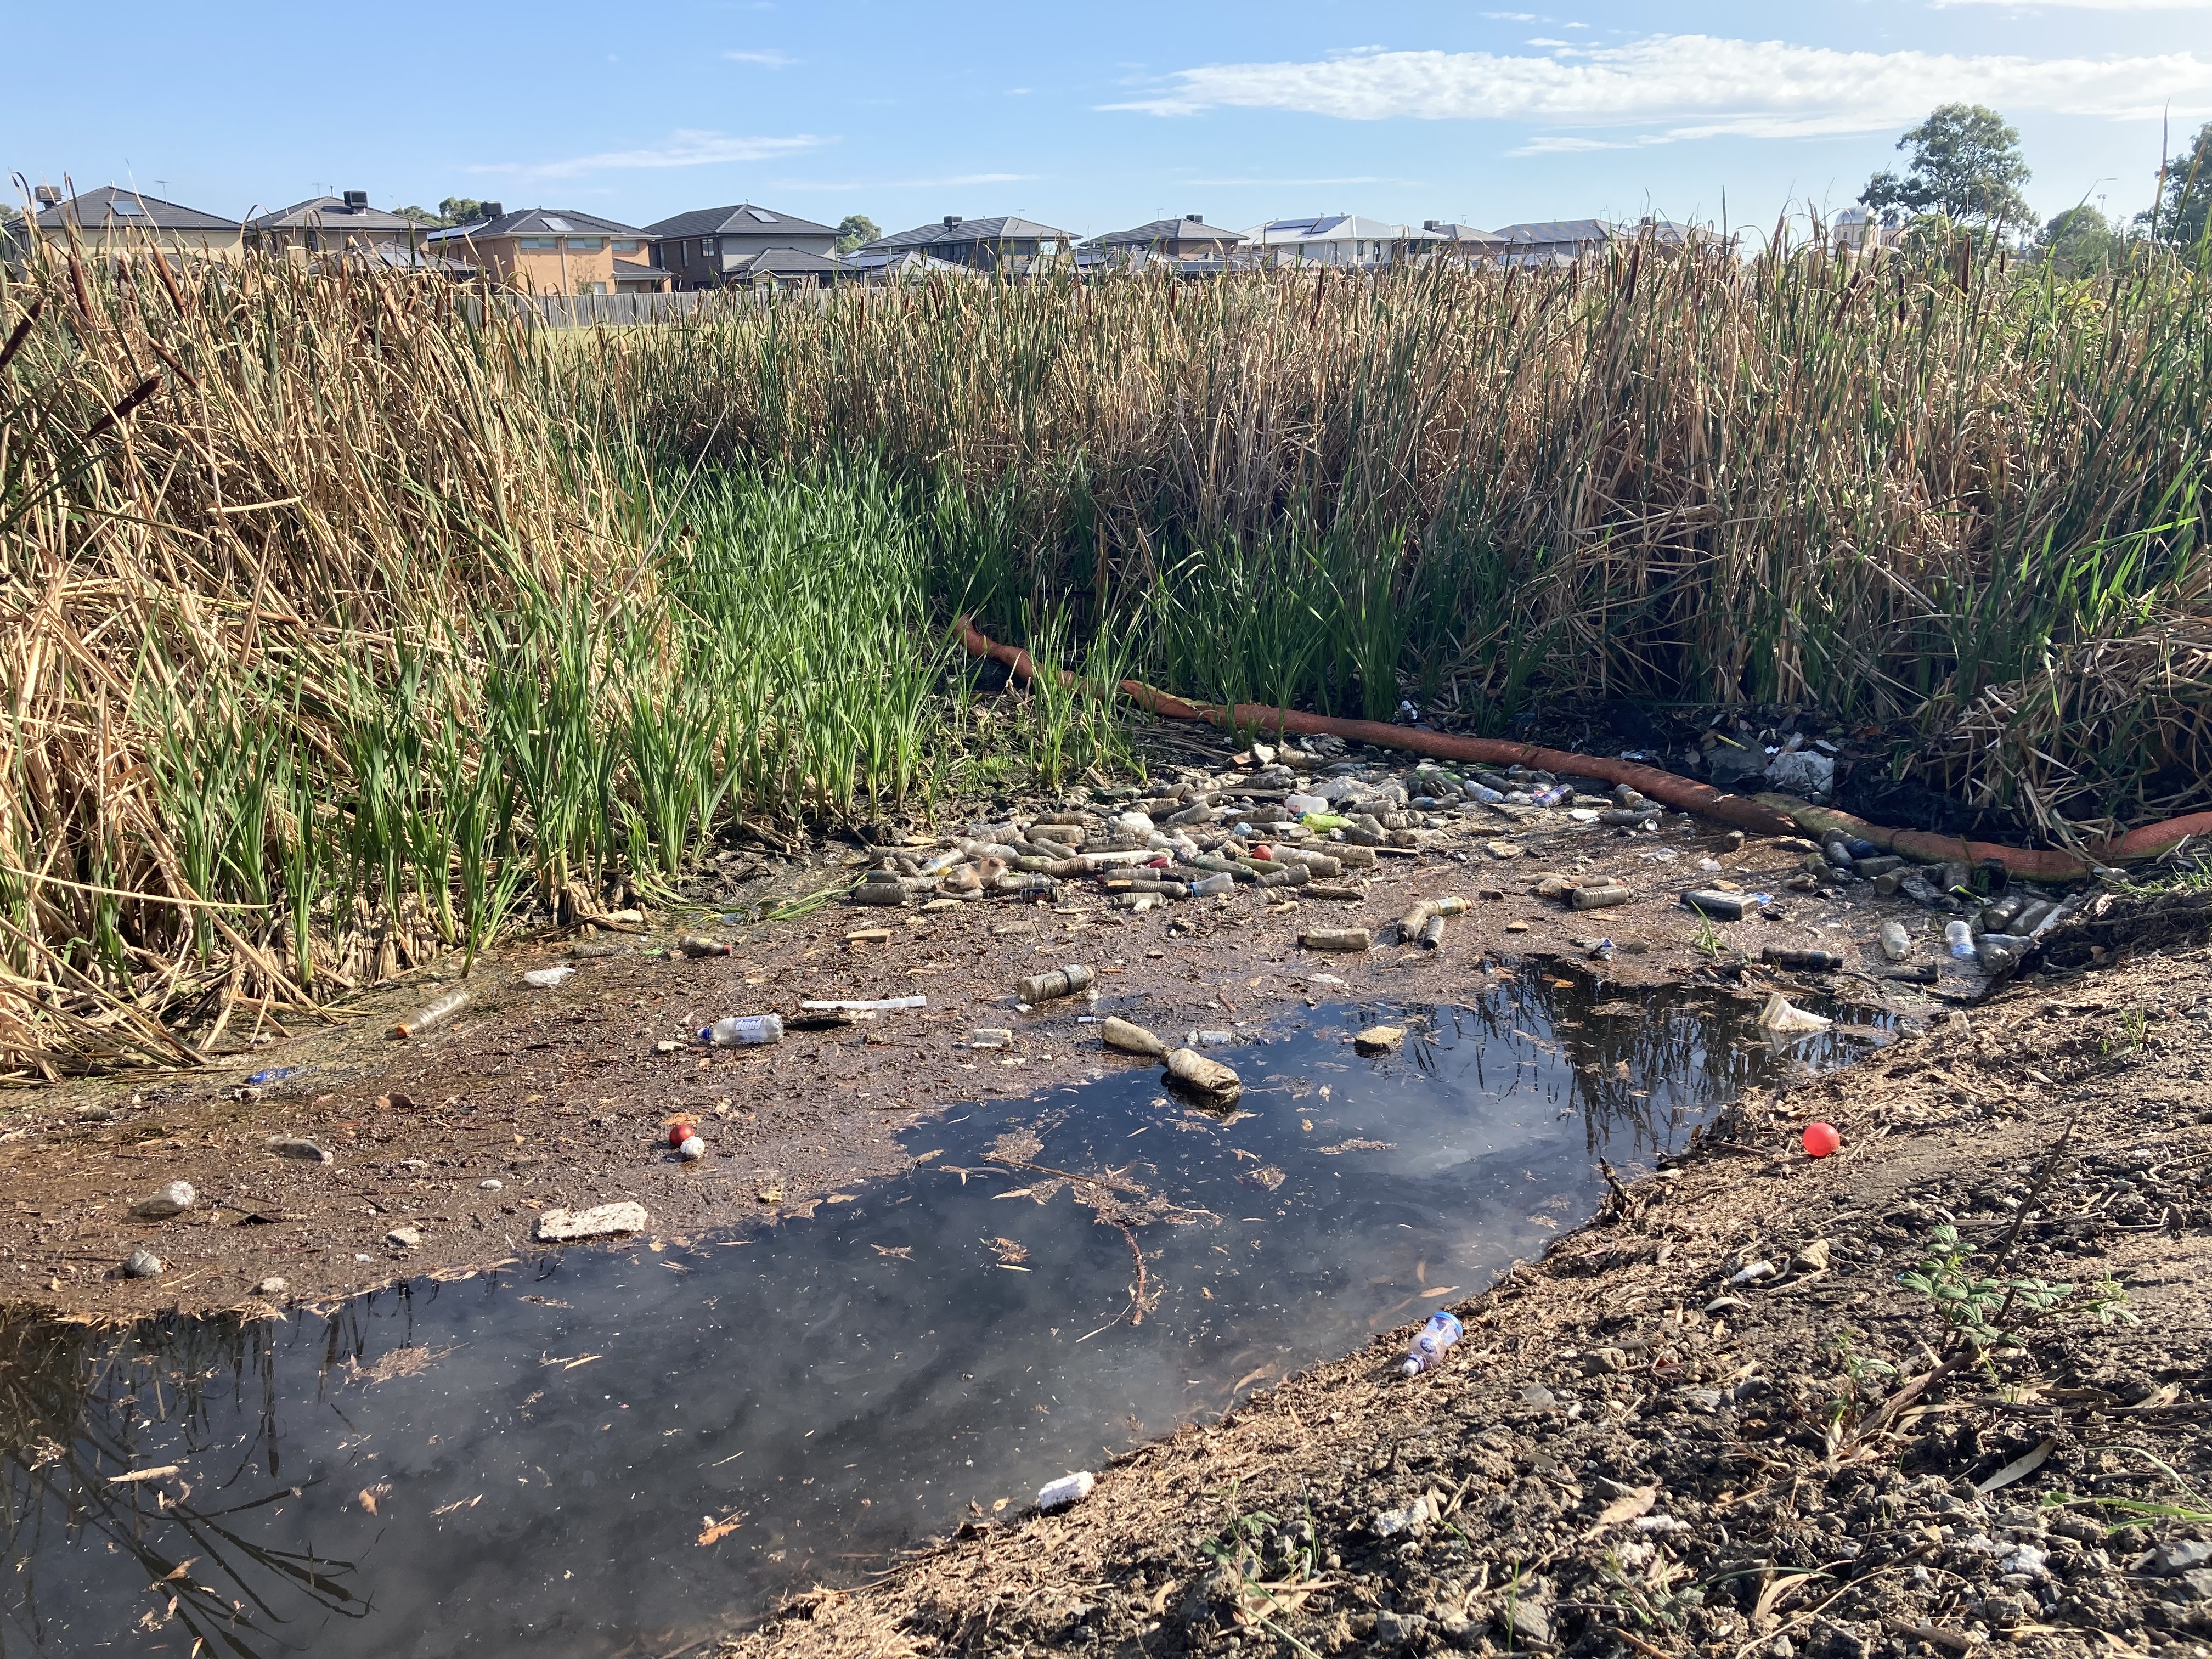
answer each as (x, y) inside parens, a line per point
(624, 1452)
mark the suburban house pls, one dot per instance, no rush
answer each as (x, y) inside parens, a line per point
(1858, 230)
(908, 264)
(635, 276)
(1008, 245)
(541, 250)
(109, 217)
(330, 224)
(710, 247)
(1554, 241)
(1341, 239)
(1466, 243)
(1189, 244)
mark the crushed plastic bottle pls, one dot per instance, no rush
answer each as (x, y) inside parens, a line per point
(1483, 793)
(1427, 1352)
(1961, 938)
(743, 1031)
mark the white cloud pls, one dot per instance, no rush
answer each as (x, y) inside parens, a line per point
(687, 149)
(1692, 86)
(767, 59)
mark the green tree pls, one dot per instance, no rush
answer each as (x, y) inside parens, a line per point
(1966, 165)
(853, 229)
(453, 210)
(2184, 214)
(2081, 242)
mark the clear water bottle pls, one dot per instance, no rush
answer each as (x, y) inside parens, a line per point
(1428, 1349)
(1896, 943)
(1961, 938)
(1483, 792)
(743, 1031)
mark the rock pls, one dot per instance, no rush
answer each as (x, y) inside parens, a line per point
(1527, 1622)
(1538, 1396)
(403, 1239)
(1412, 1517)
(1811, 1258)
(491, 1186)
(173, 1198)
(691, 1149)
(307, 1150)
(1379, 1039)
(600, 1221)
(272, 1287)
(2183, 1555)
(1215, 1593)
(2195, 1585)
(1394, 1630)
(1132, 1038)
(142, 1264)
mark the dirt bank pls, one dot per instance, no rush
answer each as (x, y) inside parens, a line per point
(563, 1097)
(1631, 1453)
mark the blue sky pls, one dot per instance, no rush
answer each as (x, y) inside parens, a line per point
(1089, 117)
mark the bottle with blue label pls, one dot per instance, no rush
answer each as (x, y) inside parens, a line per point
(1428, 1349)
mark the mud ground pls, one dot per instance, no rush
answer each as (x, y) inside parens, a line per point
(1633, 1453)
(563, 1096)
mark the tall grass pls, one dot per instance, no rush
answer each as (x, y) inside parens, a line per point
(1940, 494)
(345, 642)
(336, 627)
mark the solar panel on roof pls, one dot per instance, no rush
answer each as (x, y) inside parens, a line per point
(118, 205)
(765, 218)
(551, 223)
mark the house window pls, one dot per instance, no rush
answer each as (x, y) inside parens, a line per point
(1048, 246)
(591, 288)
(586, 243)
(538, 244)
(706, 248)
(627, 244)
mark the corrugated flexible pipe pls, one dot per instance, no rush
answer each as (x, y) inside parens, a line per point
(1765, 814)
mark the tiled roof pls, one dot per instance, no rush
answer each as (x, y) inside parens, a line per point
(743, 220)
(108, 207)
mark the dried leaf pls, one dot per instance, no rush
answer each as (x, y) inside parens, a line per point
(716, 1530)
(2019, 1469)
(1626, 1507)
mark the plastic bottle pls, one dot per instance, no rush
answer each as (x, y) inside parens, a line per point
(1483, 792)
(1896, 943)
(1961, 938)
(743, 1031)
(1428, 1349)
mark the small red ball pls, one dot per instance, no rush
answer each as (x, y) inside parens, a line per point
(680, 1133)
(1821, 1139)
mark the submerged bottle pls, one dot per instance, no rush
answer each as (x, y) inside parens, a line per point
(1961, 938)
(1428, 1349)
(743, 1031)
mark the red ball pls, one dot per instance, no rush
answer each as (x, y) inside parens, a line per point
(680, 1133)
(1821, 1139)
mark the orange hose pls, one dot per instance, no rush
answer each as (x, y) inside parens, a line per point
(1766, 815)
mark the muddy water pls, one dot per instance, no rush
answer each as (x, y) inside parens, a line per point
(624, 1452)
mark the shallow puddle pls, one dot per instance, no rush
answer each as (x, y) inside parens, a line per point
(624, 1452)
